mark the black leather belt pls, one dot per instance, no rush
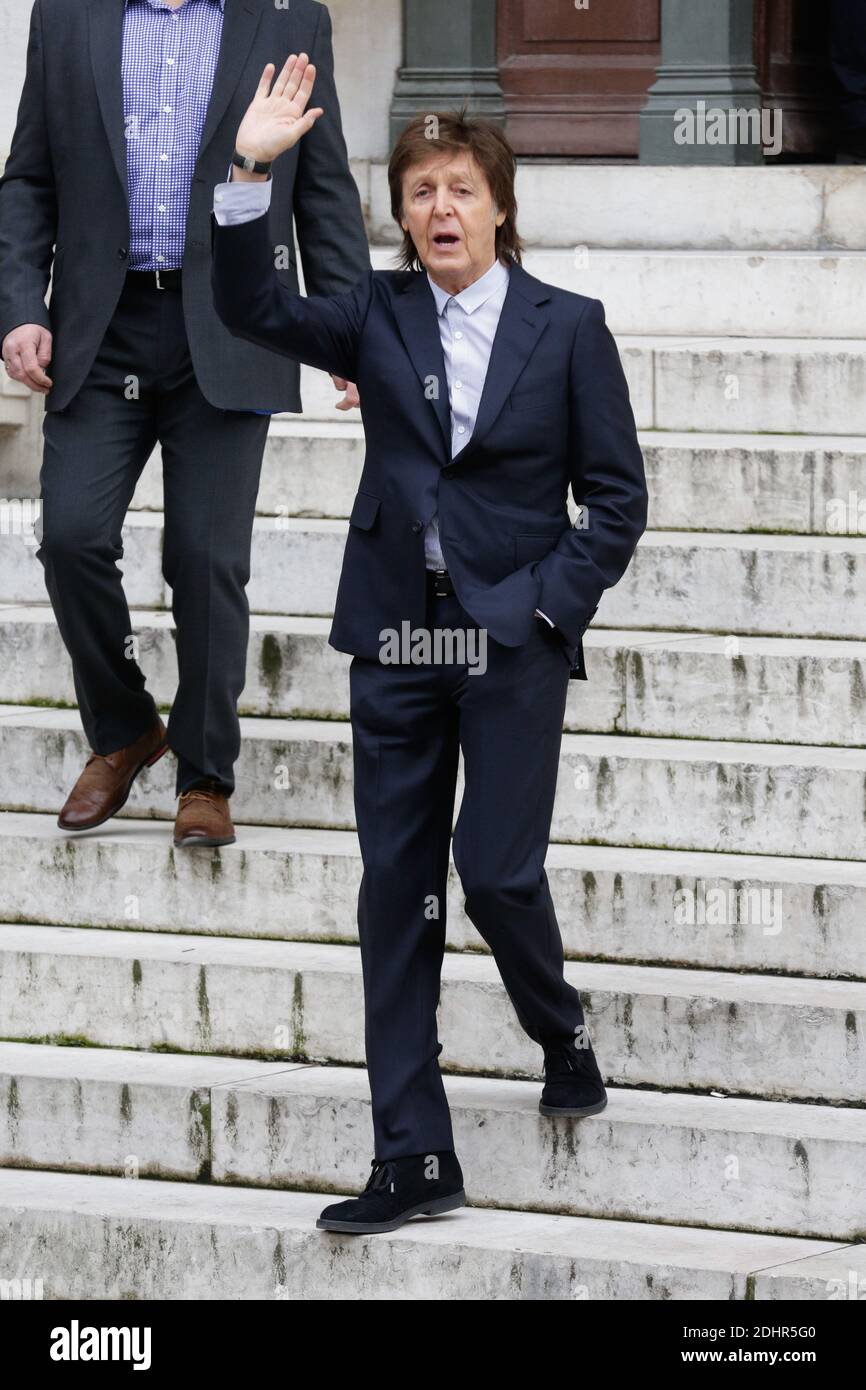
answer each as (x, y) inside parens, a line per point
(158, 279)
(439, 583)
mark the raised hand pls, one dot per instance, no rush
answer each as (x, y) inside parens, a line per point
(277, 116)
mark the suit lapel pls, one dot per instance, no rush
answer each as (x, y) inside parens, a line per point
(105, 22)
(521, 324)
(105, 18)
(240, 22)
(415, 311)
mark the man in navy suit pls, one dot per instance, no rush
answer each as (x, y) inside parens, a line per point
(464, 594)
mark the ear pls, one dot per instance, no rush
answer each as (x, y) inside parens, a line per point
(500, 218)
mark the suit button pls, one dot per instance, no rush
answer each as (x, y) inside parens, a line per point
(417, 526)
(121, 253)
(448, 471)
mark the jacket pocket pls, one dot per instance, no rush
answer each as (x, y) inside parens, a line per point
(365, 509)
(533, 547)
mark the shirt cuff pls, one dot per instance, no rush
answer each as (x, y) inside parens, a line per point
(240, 201)
(539, 614)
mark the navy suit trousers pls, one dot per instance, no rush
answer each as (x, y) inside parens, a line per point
(408, 724)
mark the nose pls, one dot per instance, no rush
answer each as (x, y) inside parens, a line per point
(443, 207)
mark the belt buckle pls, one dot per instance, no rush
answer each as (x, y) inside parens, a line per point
(441, 586)
(159, 286)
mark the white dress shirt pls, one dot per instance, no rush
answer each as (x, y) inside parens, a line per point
(467, 326)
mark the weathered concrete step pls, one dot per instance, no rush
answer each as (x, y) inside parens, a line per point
(785, 206)
(742, 798)
(765, 1166)
(712, 482)
(106, 1238)
(14, 402)
(775, 585)
(802, 484)
(749, 294)
(295, 1001)
(798, 586)
(749, 385)
(744, 385)
(667, 685)
(715, 911)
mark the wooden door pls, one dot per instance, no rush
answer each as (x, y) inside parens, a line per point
(574, 79)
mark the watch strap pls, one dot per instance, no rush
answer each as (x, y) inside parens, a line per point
(252, 166)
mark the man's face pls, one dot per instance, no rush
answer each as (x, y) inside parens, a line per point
(449, 213)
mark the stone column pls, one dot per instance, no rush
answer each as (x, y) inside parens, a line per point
(449, 59)
(707, 67)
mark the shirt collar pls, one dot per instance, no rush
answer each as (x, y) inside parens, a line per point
(221, 3)
(475, 294)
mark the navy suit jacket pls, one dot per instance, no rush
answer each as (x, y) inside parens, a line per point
(554, 414)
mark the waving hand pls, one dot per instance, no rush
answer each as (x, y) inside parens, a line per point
(277, 116)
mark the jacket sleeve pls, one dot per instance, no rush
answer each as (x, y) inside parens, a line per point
(254, 304)
(327, 206)
(607, 480)
(28, 201)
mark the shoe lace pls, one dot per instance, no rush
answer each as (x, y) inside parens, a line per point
(201, 793)
(383, 1173)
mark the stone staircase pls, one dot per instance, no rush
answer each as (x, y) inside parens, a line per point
(181, 1034)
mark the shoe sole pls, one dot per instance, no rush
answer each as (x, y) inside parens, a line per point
(573, 1110)
(206, 841)
(91, 825)
(370, 1228)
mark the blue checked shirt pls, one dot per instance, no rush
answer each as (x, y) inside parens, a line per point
(169, 61)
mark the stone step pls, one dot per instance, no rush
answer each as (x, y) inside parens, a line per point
(746, 385)
(789, 206)
(767, 1166)
(14, 402)
(665, 907)
(105, 1238)
(807, 484)
(741, 798)
(800, 586)
(108, 1238)
(746, 294)
(668, 685)
(802, 484)
(691, 1030)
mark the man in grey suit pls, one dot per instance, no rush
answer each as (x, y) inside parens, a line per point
(126, 121)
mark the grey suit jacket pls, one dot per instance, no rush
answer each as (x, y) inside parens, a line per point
(64, 195)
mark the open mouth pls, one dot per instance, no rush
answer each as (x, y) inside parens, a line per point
(446, 239)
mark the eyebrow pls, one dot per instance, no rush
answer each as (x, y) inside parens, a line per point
(460, 178)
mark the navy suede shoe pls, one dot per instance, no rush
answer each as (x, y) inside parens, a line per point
(397, 1189)
(573, 1082)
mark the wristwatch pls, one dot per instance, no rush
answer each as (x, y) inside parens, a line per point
(252, 166)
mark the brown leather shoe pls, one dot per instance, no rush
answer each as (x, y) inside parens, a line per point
(203, 818)
(104, 786)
